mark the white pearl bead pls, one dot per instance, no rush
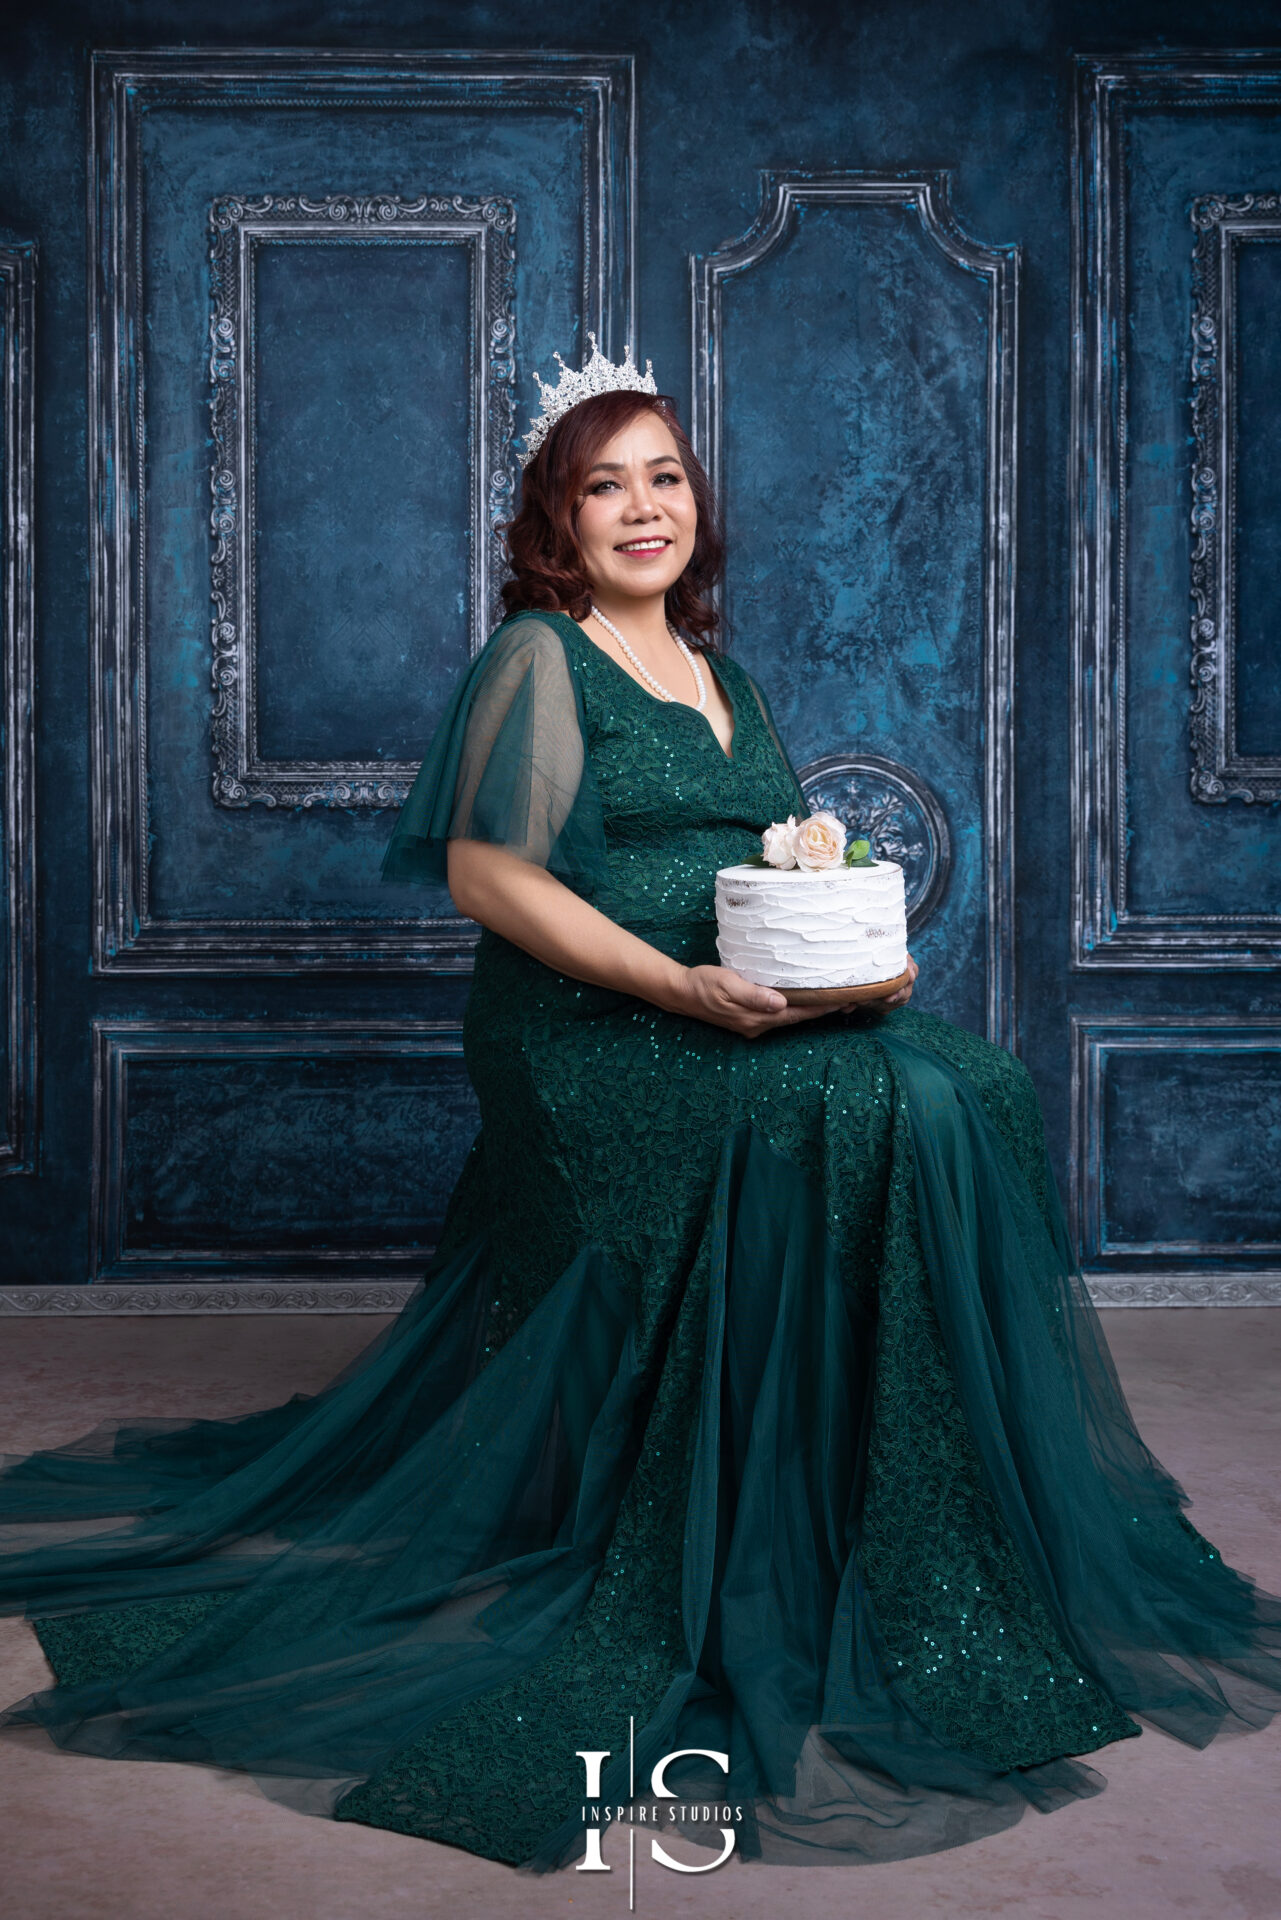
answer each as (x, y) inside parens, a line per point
(642, 669)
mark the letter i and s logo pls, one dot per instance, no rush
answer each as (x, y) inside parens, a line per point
(593, 1762)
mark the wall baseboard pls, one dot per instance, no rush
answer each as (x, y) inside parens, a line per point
(1260, 1289)
(214, 1297)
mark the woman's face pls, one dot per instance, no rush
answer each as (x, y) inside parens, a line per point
(636, 513)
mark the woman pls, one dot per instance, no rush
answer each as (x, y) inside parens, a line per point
(753, 1412)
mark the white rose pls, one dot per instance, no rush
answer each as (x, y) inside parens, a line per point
(819, 841)
(776, 843)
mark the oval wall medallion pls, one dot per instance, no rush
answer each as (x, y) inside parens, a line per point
(895, 809)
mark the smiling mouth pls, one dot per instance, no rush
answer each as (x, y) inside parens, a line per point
(652, 545)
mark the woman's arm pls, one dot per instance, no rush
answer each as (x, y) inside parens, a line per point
(533, 909)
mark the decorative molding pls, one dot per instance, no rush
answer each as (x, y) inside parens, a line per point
(1091, 1038)
(18, 1119)
(239, 227)
(1185, 1290)
(217, 1297)
(1219, 772)
(926, 195)
(119, 1043)
(1105, 932)
(128, 936)
(897, 811)
(390, 1296)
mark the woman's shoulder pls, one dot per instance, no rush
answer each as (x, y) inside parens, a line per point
(532, 630)
(529, 637)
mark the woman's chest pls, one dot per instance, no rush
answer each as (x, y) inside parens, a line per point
(660, 762)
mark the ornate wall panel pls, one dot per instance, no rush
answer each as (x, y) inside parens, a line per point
(1160, 879)
(17, 715)
(302, 1151)
(311, 386)
(1236, 555)
(1176, 1142)
(375, 366)
(854, 361)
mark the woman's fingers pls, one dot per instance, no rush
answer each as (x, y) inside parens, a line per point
(728, 999)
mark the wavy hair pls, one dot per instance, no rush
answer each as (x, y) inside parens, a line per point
(541, 538)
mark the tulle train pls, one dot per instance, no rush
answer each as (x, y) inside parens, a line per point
(333, 1578)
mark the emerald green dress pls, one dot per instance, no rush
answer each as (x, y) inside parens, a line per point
(753, 1409)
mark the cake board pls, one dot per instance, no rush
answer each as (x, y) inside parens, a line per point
(845, 996)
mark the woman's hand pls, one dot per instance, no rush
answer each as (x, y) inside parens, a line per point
(530, 907)
(883, 1003)
(724, 998)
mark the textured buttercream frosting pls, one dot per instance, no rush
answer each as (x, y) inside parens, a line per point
(835, 927)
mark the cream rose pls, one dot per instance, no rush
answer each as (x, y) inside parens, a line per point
(776, 843)
(819, 841)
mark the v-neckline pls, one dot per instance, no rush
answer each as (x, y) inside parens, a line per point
(726, 754)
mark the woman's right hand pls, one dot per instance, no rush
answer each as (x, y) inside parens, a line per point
(724, 998)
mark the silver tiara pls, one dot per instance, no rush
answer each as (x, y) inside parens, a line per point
(598, 376)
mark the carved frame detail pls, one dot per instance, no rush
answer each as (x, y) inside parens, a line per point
(238, 227)
(128, 937)
(117, 1042)
(1105, 932)
(1092, 1037)
(18, 1116)
(900, 790)
(927, 195)
(1219, 772)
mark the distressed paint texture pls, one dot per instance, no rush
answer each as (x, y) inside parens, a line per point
(855, 471)
(1191, 1147)
(856, 595)
(1258, 498)
(18, 1084)
(207, 863)
(362, 1153)
(361, 506)
(1183, 857)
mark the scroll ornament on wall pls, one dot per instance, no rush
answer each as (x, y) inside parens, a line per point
(897, 811)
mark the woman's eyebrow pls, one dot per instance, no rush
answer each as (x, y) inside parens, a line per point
(616, 466)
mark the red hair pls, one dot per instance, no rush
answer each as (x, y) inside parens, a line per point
(541, 538)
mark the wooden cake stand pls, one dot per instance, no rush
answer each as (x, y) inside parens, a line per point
(845, 996)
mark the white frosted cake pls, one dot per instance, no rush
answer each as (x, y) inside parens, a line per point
(795, 927)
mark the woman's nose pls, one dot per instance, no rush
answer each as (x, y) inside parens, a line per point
(642, 504)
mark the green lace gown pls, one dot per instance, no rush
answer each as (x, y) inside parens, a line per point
(753, 1409)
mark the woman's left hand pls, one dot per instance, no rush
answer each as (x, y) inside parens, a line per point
(899, 999)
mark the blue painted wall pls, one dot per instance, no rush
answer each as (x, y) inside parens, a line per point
(857, 509)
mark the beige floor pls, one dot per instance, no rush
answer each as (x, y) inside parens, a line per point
(1178, 1834)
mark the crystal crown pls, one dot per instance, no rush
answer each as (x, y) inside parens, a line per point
(599, 375)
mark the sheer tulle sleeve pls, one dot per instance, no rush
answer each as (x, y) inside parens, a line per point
(508, 764)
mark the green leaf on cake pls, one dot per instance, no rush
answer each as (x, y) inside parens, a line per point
(859, 854)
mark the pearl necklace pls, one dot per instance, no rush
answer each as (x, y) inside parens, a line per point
(641, 668)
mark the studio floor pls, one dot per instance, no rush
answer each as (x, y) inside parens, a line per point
(1176, 1833)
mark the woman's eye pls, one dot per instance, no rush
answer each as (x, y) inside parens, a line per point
(672, 477)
